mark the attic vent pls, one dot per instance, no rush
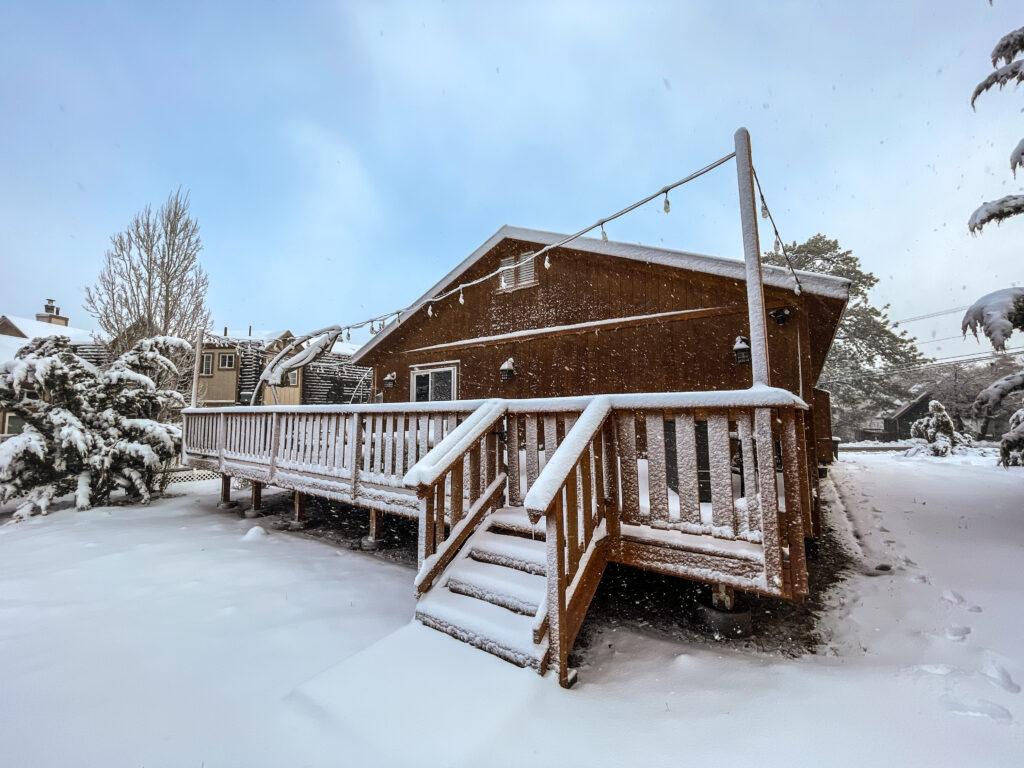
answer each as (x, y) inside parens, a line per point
(523, 275)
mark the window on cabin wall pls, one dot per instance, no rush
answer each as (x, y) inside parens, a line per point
(206, 369)
(517, 272)
(438, 383)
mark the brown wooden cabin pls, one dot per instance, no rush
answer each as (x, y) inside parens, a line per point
(563, 416)
(604, 318)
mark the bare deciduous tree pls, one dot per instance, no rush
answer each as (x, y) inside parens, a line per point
(152, 283)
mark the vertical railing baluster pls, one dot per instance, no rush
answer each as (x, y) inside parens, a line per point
(657, 485)
(515, 497)
(723, 511)
(628, 468)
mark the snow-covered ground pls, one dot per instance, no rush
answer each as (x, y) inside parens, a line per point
(168, 636)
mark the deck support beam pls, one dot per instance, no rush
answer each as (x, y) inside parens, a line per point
(371, 542)
(225, 494)
(256, 508)
(752, 258)
(299, 521)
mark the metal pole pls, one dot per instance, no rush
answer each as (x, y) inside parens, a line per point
(200, 335)
(752, 257)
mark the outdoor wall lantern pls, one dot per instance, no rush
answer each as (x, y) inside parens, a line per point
(781, 315)
(508, 370)
(390, 380)
(742, 350)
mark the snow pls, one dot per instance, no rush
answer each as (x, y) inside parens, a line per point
(991, 313)
(9, 346)
(995, 210)
(157, 636)
(36, 328)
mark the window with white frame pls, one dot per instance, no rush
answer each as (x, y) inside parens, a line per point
(226, 361)
(206, 368)
(518, 272)
(434, 383)
(293, 378)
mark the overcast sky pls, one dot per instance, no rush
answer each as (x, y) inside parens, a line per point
(342, 157)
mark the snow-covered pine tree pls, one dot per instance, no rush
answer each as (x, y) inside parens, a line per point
(998, 315)
(866, 344)
(938, 431)
(1007, 69)
(87, 431)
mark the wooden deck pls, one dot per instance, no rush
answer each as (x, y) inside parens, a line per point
(600, 479)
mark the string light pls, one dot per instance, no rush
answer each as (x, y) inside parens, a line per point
(780, 245)
(396, 315)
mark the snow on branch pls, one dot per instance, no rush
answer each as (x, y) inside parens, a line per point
(989, 399)
(998, 314)
(1017, 157)
(996, 210)
(1008, 48)
(1002, 76)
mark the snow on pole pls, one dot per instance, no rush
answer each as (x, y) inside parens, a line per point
(752, 258)
(200, 337)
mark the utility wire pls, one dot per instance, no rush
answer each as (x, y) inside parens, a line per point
(930, 315)
(941, 362)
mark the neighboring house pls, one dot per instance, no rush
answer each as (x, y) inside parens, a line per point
(15, 332)
(887, 428)
(605, 317)
(231, 365)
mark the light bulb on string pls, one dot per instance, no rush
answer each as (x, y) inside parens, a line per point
(547, 262)
(778, 244)
(430, 310)
(668, 205)
(462, 299)
(348, 334)
(604, 235)
(764, 209)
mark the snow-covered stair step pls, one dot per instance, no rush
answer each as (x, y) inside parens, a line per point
(528, 555)
(483, 625)
(513, 589)
(515, 519)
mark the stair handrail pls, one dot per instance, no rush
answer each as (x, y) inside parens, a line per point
(552, 477)
(453, 447)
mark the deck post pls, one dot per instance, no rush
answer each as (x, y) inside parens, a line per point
(723, 598)
(256, 509)
(371, 541)
(752, 258)
(299, 521)
(225, 494)
(197, 365)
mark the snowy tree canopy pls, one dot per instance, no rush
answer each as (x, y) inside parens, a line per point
(1011, 71)
(87, 431)
(997, 314)
(866, 344)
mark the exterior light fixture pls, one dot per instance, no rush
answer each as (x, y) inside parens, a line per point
(390, 380)
(508, 370)
(742, 350)
(780, 316)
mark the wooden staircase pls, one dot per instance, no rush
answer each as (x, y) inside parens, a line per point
(493, 594)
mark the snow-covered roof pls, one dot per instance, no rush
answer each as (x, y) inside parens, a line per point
(9, 346)
(811, 282)
(35, 328)
(345, 348)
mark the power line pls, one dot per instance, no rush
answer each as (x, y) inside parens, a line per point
(941, 362)
(930, 315)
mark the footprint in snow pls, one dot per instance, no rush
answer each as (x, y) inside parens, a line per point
(977, 708)
(955, 598)
(999, 677)
(957, 633)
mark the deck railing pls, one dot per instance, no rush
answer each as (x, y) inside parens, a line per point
(712, 486)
